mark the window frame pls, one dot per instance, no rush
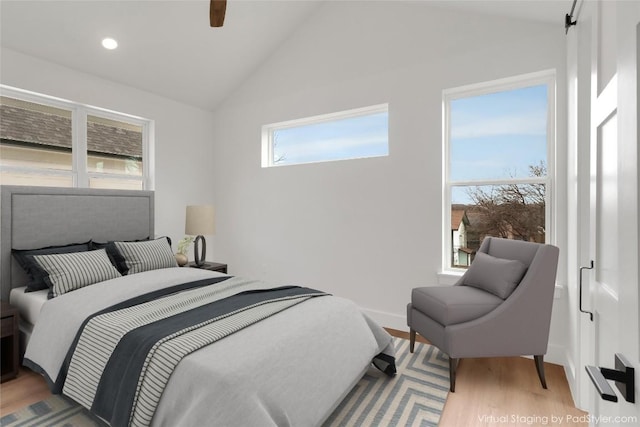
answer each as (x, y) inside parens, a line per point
(80, 176)
(548, 78)
(268, 132)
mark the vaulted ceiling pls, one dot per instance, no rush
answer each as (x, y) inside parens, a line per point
(168, 47)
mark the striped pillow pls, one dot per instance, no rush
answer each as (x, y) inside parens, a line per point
(33, 270)
(136, 257)
(68, 272)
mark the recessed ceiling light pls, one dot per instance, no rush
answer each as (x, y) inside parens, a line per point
(109, 43)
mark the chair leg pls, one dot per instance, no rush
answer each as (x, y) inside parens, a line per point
(540, 368)
(412, 339)
(453, 363)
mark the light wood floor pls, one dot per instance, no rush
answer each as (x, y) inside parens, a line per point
(490, 392)
(506, 391)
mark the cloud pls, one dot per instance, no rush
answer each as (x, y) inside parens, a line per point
(312, 150)
(531, 124)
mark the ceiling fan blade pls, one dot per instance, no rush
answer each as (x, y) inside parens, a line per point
(217, 8)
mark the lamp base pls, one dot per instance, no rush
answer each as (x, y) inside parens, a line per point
(200, 255)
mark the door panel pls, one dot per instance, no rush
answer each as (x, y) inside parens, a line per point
(606, 258)
(605, 235)
(613, 212)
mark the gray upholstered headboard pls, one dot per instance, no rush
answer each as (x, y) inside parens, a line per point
(37, 217)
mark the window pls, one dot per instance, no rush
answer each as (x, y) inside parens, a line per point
(498, 162)
(352, 134)
(51, 142)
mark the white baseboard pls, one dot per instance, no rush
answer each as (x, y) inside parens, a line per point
(570, 373)
(556, 354)
(387, 320)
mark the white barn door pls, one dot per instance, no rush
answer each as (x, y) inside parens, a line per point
(613, 200)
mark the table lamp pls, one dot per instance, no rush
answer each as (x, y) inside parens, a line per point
(200, 220)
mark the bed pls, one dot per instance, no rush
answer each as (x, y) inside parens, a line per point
(287, 357)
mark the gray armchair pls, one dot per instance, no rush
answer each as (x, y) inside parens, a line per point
(500, 307)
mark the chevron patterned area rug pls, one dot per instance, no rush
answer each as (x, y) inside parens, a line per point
(415, 396)
(55, 411)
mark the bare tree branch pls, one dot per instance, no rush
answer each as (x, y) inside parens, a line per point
(514, 211)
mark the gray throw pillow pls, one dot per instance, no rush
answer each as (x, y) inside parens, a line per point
(498, 276)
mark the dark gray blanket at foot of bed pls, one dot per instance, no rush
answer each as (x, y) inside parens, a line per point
(139, 366)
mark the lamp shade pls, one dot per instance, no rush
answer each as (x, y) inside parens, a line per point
(200, 220)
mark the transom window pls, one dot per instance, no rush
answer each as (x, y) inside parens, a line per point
(47, 141)
(498, 149)
(352, 134)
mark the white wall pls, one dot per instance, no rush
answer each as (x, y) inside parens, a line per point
(183, 134)
(368, 230)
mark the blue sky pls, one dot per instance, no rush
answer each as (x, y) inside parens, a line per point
(493, 136)
(354, 137)
(498, 135)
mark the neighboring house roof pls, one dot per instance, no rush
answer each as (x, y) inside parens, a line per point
(475, 216)
(36, 127)
(17, 124)
(457, 217)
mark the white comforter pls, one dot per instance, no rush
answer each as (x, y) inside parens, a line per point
(291, 369)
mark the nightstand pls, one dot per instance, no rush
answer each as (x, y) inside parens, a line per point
(10, 342)
(213, 266)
